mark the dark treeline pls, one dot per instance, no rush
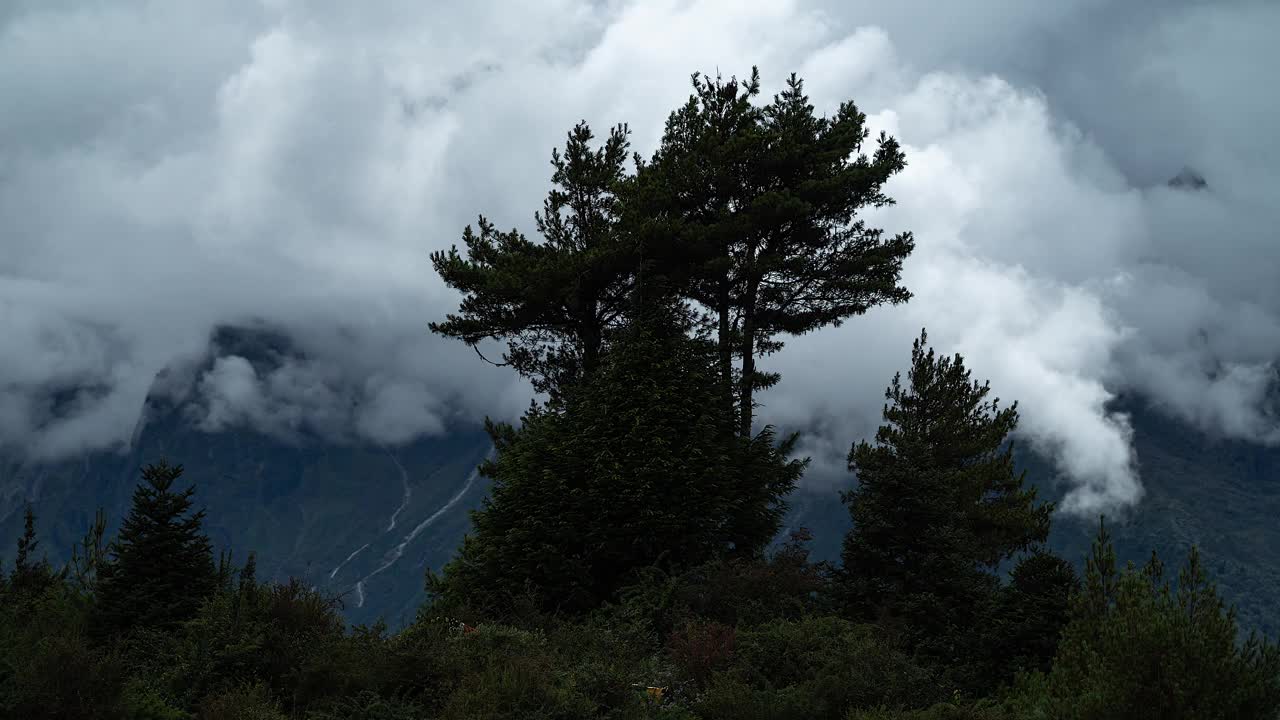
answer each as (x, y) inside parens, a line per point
(621, 566)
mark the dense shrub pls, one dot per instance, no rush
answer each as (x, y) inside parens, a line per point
(749, 591)
(499, 672)
(600, 662)
(815, 668)
(701, 648)
(62, 676)
(48, 666)
(404, 669)
(368, 705)
(941, 711)
(244, 635)
(250, 702)
(144, 701)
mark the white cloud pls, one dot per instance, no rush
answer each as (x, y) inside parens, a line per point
(231, 393)
(166, 169)
(397, 411)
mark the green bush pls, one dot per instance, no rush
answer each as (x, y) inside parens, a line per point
(144, 702)
(600, 663)
(265, 634)
(249, 702)
(48, 666)
(62, 676)
(367, 705)
(501, 672)
(731, 592)
(750, 591)
(815, 668)
(941, 711)
(408, 666)
(701, 648)
(730, 697)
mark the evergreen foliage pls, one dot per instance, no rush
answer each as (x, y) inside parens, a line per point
(764, 229)
(48, 666)
(815, 668)
(1029, 615)
(27, 544)
(89, 556)
(160, 567)
(1140, 646)
(552, 302)
(938, 507)
(30, 575)
(640, 467)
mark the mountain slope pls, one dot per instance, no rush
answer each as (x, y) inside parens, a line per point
(365, 522)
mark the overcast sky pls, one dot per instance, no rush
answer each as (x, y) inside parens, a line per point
(168, 167)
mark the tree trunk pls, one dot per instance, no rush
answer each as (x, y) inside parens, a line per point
(746, 409)
(591, 341)
(725, 345)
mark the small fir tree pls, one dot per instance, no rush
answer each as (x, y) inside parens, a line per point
(1031, 611)
(30, 575)
(1139, 647)
(938, 507)
(161, 566)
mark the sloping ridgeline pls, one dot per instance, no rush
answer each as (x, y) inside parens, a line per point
(360, 521)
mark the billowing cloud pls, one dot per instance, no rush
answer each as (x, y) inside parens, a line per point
(296, 399)
(168, 169)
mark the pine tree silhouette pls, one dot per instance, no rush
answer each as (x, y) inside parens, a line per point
(161, 566)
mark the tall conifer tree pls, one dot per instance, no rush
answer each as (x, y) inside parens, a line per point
(764, 230)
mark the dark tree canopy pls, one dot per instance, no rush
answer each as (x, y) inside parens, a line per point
(751, 212)
(160, 567)
(639, 467)
(764, 229)
(553, 302)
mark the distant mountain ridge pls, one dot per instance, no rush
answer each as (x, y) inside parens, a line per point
(365, 521)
